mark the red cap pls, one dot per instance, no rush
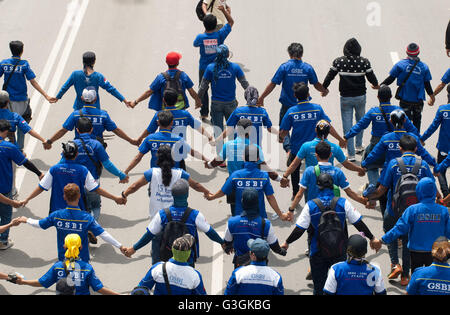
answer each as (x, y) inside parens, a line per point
(173, 58)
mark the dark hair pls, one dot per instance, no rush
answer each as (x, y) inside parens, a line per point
(323, 150)
(165, 162)
(242, 127)
(301, 91)
(165, 118)
(295, 50)
(251, 153)
(384, 93)
(170, 97)
(88, 60)
(84, 125)
(448, 93)
(210, 22)
(408, 143)
(4, 125)
(16, 48)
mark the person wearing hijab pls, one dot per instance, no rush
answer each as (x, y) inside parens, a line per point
(78, 274)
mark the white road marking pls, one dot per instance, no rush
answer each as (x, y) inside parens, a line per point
(217, 268)
(395, 57)
(73, 19)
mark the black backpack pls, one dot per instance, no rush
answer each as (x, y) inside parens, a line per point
(172, 231)
(405, 189)
(199, 10)
(175, 84)
(332, 237)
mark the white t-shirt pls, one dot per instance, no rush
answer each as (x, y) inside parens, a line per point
(161, 196)
(221, 19)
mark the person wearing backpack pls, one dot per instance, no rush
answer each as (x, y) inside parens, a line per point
(423, 222)
(175, 220)
(174, 79)
(248, 225)
(399, 183)
(327, 215)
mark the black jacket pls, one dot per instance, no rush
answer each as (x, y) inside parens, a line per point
(352, 69)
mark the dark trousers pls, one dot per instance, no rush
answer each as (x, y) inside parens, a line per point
(420, 259)
(295, 176)
(204, 111)
(413, 111)
(442, 178)
(287, 139)
(319, 270)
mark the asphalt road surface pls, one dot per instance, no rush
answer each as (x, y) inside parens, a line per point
(131, 39)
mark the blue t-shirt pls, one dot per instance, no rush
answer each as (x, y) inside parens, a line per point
(392, 173)
(181, 120)
(258, 116)
(80, 81)
(159, 85)
(414, 88)
(151, 143)
(17, 86)
(8, 153)
(100, 119)
(95, 150)
(446, 77)
(309, 179)
(249, 177)
(208, 43)
(233, 151)
(72, 220)
(308, 152)
(290, 72)
(83, 276)
(302, 119)
(441, 119)
(224, 86)
(431, 280)
(15, 120)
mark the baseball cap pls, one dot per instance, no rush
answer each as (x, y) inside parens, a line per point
(89, 95)
(173, 58)
(4, 96)
(259, 247)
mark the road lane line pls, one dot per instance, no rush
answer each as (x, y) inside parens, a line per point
(75, 23)
(395, 57)
(217, 268)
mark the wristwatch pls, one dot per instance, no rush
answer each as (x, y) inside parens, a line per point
(49, 141)
(291, 210)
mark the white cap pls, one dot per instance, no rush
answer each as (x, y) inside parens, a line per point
(89, 95)
(4, 96)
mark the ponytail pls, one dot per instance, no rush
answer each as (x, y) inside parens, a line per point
(166, 163)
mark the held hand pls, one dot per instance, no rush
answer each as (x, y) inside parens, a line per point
(343, 143)
(129, 104)
(52, 100)
(17, 204)
(376, 87)
(375, 244)
(125, 180)
(291, 216)
(431, 100)
(285, 246)
(129, 252)
(136, 142)
(120, 200)
(284, 182)
(22, 219)
(361, 172)
(15, 222)
(325, 93)
(260, 102)
(47, 146)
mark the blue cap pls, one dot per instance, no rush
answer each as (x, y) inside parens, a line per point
(259, 247)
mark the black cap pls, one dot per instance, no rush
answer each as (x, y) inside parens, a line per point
(325, 181)
(70, 150)
(357, 246)
(64, 288)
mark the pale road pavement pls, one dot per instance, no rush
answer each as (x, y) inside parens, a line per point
(131, 39)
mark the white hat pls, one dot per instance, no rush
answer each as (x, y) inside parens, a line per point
(89, 95)
(4, 96)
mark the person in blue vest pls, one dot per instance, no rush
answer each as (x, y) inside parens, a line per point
(248, 225)
(10, 154)
(293, 71)
(413, 79)
(16, 71)
(379, 118)
(159, 84)
(302, 118)
(257, 278)
(207, 44)
(65, 172)
(320, 262)
(92, 154)
(423, 222)
(441, 121)
(100, 119)
(355, 276)
(81, 79)
(434, 279)
(194, 222)
(444, 81)
(181, 119)
(250, 176)
(152, 142)
(79, 275)
(388, 184)
(72, 219)
(176, 276)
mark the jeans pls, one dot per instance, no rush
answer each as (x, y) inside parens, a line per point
(319, 270)
(93, 204)
(373, 173)
(295, 176)
(287, 139)
(156, 245)
(219, 112)
(23, 109)
(420, 259)
(413, 111)
(5, 218)
(442, 178)
(388, 223)
(204, 111)
(348, 105)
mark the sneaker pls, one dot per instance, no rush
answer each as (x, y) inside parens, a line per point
(274, 216)
(359, 150)
(92, 238)
(307, 252)
(404, 281)
(6, 245)
(396, 270)
(351, 158)
(309, 275)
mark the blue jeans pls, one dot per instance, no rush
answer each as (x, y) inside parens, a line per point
(93, 204)
(348, 105)
(5, 218)
(388, 223)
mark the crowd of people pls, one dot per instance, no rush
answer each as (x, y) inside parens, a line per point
(400, 172)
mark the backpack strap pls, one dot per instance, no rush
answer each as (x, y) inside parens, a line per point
(186, 215)
(401, 165)
(417, 166)
(177, 75)
(317, 170)
(168, 214)
(166, 279)
(263, 227)
(319, 204)
(334, 202)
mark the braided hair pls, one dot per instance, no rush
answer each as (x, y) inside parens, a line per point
(166, 163)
